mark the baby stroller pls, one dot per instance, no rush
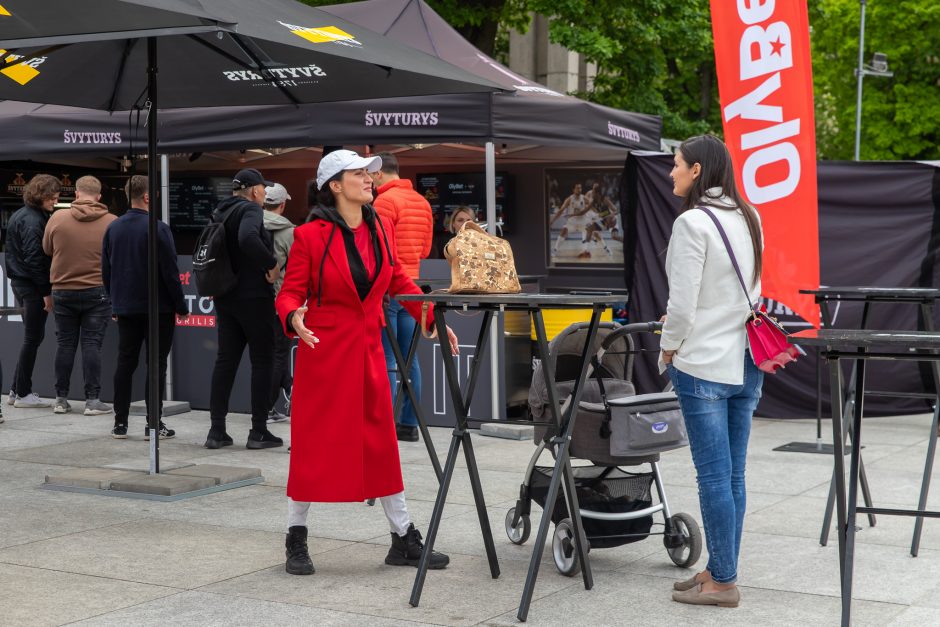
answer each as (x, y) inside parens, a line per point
(614, 428)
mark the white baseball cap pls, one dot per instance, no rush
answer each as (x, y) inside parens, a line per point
(275, 194)
(340, 160)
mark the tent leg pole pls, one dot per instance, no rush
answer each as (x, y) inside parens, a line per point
(153, 306)
(165, 214)
(494, 329)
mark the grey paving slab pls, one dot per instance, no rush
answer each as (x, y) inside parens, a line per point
(337, 521)
(41, 514)
(202, 609)
(634, 599)
(356, 577)
(891, 485)
(34, 597)
(142, 464)
(917, 617)
(801, 516)
(221, 474)
(170, 408)
(13, 441)
(94, 478)
(507, 432)
(98, 451)
(422, 484)
(162, 485)
(159, 552)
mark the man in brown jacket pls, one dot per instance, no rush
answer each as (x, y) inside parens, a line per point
(411, 215)
(80, 303)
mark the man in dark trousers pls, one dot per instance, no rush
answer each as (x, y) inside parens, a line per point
(410, 214)
(245, 315)
(124, 272)
(28, 271)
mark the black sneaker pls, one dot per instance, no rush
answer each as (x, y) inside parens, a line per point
(218, 439)
(406, 551)
(406, 433)
(165, 433)
(119, 432)
(263, 439)
(298, 557)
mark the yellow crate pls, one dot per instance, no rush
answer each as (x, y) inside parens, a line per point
(557, 320)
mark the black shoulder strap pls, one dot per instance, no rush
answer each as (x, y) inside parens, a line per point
(734, 261)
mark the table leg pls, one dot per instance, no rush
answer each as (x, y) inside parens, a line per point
(925, 483)
(436, 514)
(405, 385)
(562, 469)
(852, 504)
(927, 314)
(838, 470)
(461, 402)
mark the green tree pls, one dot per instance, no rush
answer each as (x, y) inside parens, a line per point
(656, 56)
(900, 115)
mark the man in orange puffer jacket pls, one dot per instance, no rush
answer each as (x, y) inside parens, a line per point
(411, 215)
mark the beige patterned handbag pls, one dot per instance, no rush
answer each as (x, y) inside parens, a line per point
(480, 263)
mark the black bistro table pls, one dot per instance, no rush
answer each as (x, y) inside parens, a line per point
(861, 345)
(564, 418)
(403, 366)
(924, 298)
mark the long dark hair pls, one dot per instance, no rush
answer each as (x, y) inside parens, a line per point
(712, 155)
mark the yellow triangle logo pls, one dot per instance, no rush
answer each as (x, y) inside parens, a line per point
(4, 11)
(20, 72)
(323, 34)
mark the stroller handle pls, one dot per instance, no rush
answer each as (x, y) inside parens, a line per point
(627, 329)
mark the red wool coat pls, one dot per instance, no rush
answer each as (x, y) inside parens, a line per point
(343, 442)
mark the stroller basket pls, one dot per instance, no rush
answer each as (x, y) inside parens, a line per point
(601, 489)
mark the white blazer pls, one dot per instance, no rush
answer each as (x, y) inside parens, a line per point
(707, 308)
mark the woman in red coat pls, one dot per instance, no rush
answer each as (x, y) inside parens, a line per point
(343, 442)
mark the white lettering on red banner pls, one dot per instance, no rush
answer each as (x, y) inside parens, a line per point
(766, 87)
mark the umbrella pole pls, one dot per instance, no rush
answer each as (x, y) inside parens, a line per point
(153, 297)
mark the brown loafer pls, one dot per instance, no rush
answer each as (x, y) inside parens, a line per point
(726, 598)
(689, 583)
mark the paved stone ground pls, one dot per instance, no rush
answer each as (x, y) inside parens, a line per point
(218, 560)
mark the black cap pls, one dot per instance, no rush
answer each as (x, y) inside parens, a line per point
(249, 177)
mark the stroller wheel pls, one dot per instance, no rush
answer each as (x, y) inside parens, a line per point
(564, 550)
(520, 533)
(685, 553)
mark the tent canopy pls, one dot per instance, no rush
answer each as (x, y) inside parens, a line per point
(526, 118)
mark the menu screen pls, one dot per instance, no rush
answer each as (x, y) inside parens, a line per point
(193, 199)
(447, 191)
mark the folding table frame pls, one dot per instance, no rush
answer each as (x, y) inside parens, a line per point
(563, 417)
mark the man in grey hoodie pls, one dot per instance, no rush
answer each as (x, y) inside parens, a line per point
(282, 231)
(81, 305)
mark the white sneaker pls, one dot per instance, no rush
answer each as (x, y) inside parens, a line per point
(11, 398)
(30, 401)
(61, 406)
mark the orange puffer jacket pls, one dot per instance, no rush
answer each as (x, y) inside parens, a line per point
(411, 215)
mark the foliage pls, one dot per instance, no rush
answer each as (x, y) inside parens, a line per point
(900, 115)
(655, 56)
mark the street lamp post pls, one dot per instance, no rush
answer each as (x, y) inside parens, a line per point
(878, 67)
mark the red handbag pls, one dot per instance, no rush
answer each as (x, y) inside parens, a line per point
(768, 342)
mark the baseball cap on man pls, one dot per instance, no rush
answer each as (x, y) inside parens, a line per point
(339, 160)
(249, 177)
(275, 194)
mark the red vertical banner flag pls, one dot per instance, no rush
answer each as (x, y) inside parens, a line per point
(765, 83)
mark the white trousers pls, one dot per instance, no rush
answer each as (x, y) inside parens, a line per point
(396, 511)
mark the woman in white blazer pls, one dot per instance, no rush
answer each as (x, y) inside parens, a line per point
(704, 351)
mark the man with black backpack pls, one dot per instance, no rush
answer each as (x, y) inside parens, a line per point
(234, 263)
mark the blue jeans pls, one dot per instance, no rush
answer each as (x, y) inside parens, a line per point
(80, 314)
(718, 421)
(402, 326)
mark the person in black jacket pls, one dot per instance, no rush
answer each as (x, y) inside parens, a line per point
(28, 270)
(124, 273)
(246, 314)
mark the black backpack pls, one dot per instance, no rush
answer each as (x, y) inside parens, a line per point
(212, 266)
